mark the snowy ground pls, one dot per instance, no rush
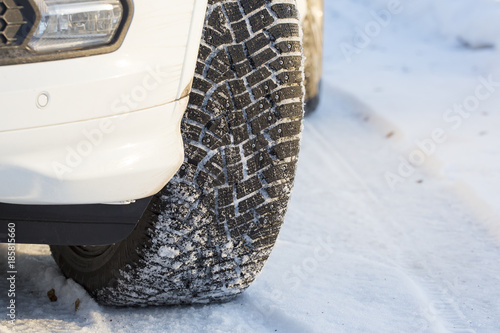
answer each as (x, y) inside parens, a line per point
(387, 231)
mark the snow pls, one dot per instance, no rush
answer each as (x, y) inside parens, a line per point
(357, 254)
(166, 251)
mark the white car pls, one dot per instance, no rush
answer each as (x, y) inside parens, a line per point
(158, 168)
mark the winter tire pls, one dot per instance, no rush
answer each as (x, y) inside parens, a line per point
(206, 236)
(312, 26)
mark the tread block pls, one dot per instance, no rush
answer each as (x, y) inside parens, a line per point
(259, 161)
(216, 160)
(254, 145)
(233, 11)
(201, 84)
(196, 154)
(232, 155)
(213, 167)
(219, 127)
(220, 179)
(289, 46)
(260, 20)
(261, 58)
(191, 131)
(196, 99)
(272, 207)
(225, 196)
(217, 20)
(241, 224)
(240, 134)
(291, 110)
(257, 43)
(242, 69)
(286, 149)
(276, 190)
(251, 203)
(229, 75)
(285, 130)
(200, 68)
(285, 30)
(279, 172)
(211, 141)
(287, 62)
(235, 173)
(212, 37)
(236, 53)
(204, 180)
(236, 119)
(223, 58)
(258, 76)
(262, 122)
(240, 31)
(251, 5)
(219, 65)
(214, 75)
(180, 210)
(226, 213)
(214, 107)
(188, 171)
(197, 115)
(237, 86)
(287, 93)
(242, 101)
(264, 89)
(290, 77)
(257, 108)
(248, 187)
(222, 96)
(285, 10)
(204, 52)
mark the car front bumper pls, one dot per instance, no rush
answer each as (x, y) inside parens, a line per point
(111, 159)
(106, 128)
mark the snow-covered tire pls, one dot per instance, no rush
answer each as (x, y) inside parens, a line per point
(206, 236)
(312, 25)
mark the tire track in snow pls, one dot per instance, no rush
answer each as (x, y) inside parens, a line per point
(441, 303)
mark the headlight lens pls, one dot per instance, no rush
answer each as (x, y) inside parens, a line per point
(48, 30)
(71, 24)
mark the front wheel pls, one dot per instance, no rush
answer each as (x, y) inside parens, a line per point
(206, 236)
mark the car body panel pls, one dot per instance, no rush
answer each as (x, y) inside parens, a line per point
(140, 91)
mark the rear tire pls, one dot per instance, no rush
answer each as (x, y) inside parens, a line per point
(206, 236)
(312, 26)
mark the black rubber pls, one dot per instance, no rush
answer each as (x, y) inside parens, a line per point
(71, 224)
(207, 235)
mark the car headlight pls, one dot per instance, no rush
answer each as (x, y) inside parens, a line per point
(41, 30)
(75, 23)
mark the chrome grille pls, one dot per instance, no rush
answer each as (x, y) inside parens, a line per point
(16, 22)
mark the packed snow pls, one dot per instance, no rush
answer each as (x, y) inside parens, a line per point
(394, 222)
